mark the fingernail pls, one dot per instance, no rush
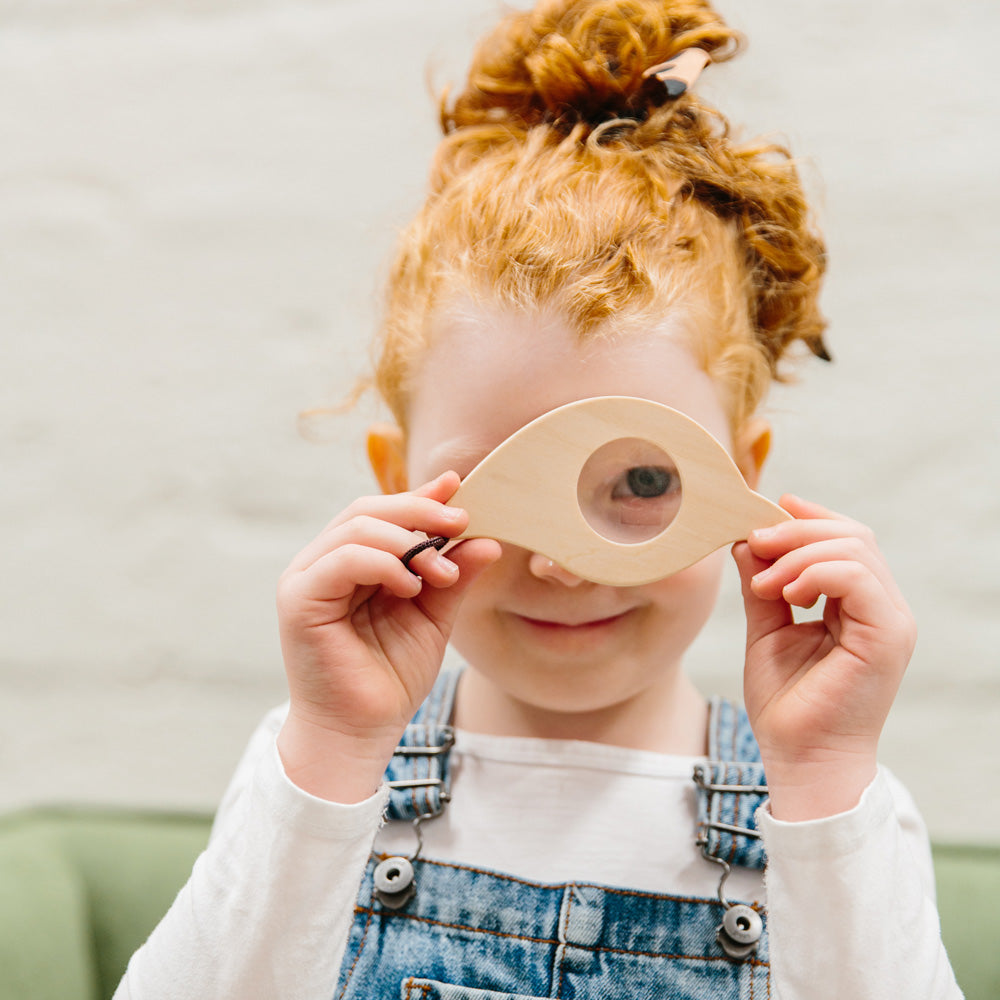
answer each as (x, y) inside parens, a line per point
(762, 534)
(446, 565)
(761, 576)
(452, 513)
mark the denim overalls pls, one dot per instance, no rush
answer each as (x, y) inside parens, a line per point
(430, 930)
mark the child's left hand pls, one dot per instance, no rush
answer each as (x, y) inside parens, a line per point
(818, 692)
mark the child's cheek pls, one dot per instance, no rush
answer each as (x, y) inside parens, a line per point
(697, 585)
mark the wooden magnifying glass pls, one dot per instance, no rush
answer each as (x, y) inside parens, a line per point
(617, 490)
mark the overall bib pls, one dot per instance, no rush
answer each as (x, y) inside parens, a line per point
(430, 930)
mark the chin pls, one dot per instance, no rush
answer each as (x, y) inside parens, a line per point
(566, 690)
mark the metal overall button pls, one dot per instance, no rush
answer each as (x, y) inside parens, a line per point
(740, 931)
(394, 882)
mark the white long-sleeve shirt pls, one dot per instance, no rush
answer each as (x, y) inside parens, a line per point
(269, 904)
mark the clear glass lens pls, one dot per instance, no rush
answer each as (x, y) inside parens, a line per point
(629, 490)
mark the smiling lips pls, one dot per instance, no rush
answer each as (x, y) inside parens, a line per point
(555, 626)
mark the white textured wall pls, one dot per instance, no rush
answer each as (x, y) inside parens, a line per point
(196, 202)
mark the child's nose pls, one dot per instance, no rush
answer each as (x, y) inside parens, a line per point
(544, 568)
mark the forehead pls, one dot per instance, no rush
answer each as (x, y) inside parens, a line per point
(492, 369)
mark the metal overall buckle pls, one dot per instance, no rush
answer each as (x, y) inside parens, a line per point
(741, 928)
(395, 880)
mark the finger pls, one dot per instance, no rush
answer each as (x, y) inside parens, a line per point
(322, 593)
(859, 592)
(811, 522)
(402, 510)
(764, 615)
(471, 557)
(443, 488)
(439, 490)
(815, 523)
(434, 567)
(387, 537)
(775, 541)
(771, 580)
(808, 510)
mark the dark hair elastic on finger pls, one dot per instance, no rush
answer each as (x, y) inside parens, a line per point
(430, 543)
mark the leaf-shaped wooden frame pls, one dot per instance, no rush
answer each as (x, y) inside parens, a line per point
(525, 492)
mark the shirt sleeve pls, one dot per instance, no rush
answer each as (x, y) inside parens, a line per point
(269, 904)
(851, 908)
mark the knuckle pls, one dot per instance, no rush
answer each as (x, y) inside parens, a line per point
(356, 508)
(287, 593)
(428, 507)
(353, 552)
(362, 525)
(867, 536)
(857, 547)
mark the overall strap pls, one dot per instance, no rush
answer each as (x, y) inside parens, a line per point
(731, 787)
(418, 774)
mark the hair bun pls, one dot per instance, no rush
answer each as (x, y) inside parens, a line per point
(574, 61)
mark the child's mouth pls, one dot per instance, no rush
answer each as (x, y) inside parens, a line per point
(590, 625)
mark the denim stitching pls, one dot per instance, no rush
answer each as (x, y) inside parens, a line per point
(457, 927)
(563, 934)
(412, 984)
(562, 887)
(755, 962)
(361, 948)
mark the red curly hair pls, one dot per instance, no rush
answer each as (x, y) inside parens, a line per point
(562, 184)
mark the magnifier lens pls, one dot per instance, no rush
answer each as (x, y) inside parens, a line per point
(629, 490)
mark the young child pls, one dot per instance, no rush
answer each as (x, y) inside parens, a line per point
(590, 230)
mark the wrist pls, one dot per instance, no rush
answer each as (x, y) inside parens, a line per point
(337, 767)
(816, 789)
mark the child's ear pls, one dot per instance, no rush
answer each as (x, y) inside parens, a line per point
(752, 448)
(387, 455)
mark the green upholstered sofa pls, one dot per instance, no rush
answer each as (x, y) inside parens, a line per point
(80, 889)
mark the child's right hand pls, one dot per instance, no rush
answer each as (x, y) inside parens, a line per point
(363, 638)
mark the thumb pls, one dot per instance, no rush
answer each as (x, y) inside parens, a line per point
(471, 556)
(763, 616)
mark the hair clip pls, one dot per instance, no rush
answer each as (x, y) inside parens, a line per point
(615, 489)
(669, 80)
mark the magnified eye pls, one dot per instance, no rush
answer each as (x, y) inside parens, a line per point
(629, 490)
(645, 481)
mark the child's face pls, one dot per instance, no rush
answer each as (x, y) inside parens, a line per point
(545, 637)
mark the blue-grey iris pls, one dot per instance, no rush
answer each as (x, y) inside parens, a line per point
(649, 480)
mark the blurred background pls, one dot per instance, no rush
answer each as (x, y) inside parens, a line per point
(197, 202)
